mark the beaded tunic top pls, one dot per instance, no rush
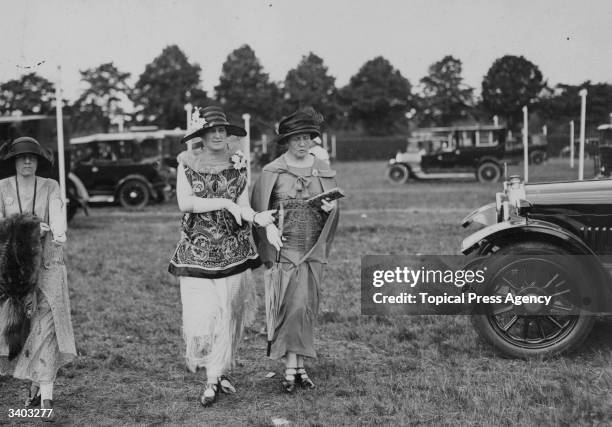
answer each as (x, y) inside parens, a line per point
(212, 244)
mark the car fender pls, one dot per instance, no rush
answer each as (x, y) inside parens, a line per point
(136, 177)
(518, 229)
(517, 226)
(487, 158)
(80, 187)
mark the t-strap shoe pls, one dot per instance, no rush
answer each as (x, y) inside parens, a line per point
(209, 395)
(289, 381)
(302, 378)
(226, 386)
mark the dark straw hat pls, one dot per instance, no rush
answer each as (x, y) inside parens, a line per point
(24, 145)
(207, 118)
(306, 120)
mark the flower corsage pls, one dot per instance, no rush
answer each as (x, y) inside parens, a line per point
(239, 160)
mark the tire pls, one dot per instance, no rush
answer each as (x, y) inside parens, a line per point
(537, 157)
(516, 335)
(488, 172)
(398, 174)
(134, 195)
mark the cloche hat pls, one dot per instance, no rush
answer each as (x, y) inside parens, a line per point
(306, 120)
(203, 119)
(24, 145)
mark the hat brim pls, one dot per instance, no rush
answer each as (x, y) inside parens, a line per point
(42, 155)
(314, 132)
(230, 129)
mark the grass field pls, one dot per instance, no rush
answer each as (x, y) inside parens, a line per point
(427, 370)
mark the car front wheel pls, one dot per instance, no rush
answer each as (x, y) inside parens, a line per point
(529, 330)
(134, 195)
(488, 172)
(398, 174)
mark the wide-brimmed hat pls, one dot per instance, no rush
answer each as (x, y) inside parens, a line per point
(24, 145)
(203, 119)
(306, 120)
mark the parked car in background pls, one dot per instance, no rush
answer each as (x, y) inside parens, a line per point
(537, 146)
(44, 130)
(130, 168)
(526, 224)
(456, 152)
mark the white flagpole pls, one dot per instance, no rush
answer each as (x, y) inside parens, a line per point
(525, 142)
(247, 143)
(60, 139)
(583, 94)
(188, 111)
(572, 144)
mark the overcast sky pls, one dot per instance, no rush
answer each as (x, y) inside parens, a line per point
(571, 41)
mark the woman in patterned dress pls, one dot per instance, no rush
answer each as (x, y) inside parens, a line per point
(216, 251)
(307, 236)
(50, 342)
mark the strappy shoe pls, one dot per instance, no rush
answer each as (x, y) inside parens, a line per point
(290, 380)
(226, 386)
(303, 380)
(33, 398)
(209, 395)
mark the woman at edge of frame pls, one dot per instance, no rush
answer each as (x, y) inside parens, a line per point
(216, 252)
(50, 342)
(306, 242)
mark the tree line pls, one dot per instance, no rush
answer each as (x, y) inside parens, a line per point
(378, 100)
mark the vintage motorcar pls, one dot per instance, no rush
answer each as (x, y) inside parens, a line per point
(459, 152)
(131, 168)
(537, 149)
(524, 226)
(43, 129)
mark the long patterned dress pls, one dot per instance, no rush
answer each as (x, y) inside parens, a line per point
(50, 343)
(213, 261)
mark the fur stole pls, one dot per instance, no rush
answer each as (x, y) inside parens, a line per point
(20, 260)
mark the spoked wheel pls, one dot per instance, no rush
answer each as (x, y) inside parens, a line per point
(133, 195)
(398, 174)
(488, 172)
(534, 329)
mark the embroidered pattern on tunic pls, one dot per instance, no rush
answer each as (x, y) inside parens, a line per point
(213, 240)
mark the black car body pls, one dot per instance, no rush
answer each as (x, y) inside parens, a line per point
(451, 152)
(44, 130)
(572, 219)
(132, 168)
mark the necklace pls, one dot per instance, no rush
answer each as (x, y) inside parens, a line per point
(19, 198)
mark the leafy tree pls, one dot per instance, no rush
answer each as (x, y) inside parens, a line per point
(166, 85)
(310, 84)
(562, 104)
(511, 83)
(378, 97)
(30, 94)
(245, 88)
(101, 101)
(445, 99)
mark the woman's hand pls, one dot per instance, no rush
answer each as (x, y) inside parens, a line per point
(327, 206)
(274, 236)
(265, 218)
(235, 210)
(44, 227)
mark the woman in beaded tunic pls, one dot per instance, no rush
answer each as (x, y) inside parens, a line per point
(216, 251)
(50, 343)
(307, 236)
